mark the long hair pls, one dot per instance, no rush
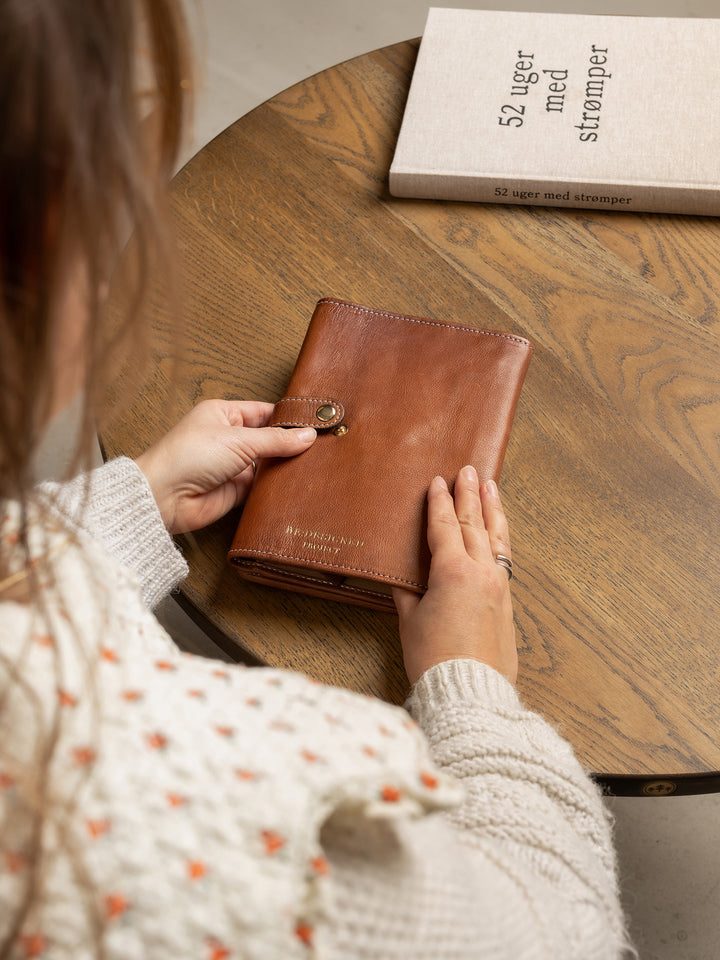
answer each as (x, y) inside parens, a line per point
(93, 95)
(91, 106)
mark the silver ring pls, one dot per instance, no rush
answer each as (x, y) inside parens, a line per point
(505, 562)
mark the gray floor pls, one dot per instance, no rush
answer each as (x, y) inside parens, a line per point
(250, 50)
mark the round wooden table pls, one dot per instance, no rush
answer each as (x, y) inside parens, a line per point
(612, 476)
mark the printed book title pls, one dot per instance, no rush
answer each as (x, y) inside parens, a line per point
(555, 83)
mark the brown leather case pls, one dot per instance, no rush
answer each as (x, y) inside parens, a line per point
(396, 401)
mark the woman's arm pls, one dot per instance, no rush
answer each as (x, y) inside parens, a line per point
(115, 506)
(191, 477)
(524, 867)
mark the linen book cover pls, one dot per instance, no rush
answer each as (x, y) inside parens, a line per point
(603, 112)
(396, 400)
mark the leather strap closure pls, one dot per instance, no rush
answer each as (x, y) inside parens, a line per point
(323, 413)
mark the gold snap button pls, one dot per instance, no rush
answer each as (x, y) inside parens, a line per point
(341, 430)
(326, 412)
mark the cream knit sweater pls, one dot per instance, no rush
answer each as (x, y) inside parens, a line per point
(211, 811)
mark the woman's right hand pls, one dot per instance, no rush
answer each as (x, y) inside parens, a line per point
(205, 465)
(466, 612)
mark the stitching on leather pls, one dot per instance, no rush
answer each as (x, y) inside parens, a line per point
(429, 323)
(334, 566)
(320, 425)
(310, 400)
(305, 423)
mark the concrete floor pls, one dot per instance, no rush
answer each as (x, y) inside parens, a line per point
(249, 51)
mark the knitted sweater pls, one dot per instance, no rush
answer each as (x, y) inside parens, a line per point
(195, 809)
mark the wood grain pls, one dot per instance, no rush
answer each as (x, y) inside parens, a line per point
(612, 476)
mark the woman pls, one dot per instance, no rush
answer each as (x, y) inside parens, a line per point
(156, 804)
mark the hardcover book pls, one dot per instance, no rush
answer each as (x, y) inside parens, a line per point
(603, 112)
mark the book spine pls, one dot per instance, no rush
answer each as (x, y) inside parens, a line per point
(637, 197)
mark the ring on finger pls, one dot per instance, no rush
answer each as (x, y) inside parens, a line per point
(253, 464)
(505, 562)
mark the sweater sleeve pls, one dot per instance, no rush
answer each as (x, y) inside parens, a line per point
(114, 505)
(523, 868)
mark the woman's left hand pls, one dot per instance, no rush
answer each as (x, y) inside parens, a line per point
(204, 466)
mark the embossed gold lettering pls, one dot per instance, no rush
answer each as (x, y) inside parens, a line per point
(322, 540)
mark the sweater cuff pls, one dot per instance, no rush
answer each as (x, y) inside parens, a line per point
(460, 681)
(115, 505)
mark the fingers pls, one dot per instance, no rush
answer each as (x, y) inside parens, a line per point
(260, 442)
(457, 525)
(234, 413)
(473, 521)
(495, 520)
(468, 507)
(405, 602)
(466, 612)
(444, 534)
(247, 413)
(250, 419)
(255, 439)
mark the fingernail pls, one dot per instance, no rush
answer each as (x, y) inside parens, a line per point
(440, 481)
(490, 487)
(307, 434)
(470, 473)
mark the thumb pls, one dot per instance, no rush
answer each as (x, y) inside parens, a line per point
(405, 602)
(280, 441)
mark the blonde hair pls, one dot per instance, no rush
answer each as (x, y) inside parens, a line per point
(93, 96)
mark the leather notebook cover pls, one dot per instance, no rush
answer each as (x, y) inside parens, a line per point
(396, 400)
